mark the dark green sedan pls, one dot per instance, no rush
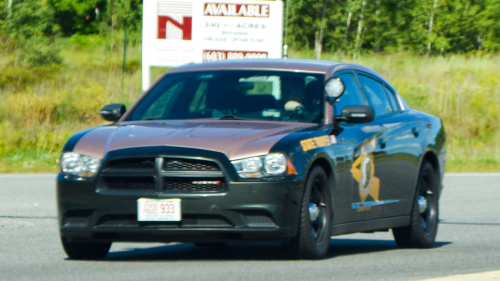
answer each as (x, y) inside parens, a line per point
(290, 151)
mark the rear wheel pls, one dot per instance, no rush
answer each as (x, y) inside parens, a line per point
(421, 233)
(85, 250)
(313, 238)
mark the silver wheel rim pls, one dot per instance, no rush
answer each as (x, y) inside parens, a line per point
(422, 204)
(313, 212)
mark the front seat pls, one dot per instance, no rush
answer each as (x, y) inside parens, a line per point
(221, 98)
(256, 103)
(313, 96)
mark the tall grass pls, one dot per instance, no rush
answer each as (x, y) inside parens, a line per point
(43, 106)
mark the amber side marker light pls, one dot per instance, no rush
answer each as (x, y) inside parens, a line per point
(290, 168)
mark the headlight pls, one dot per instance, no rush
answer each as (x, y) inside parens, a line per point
(274, 164)
(79, 165)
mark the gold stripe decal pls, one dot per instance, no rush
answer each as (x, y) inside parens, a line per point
(313, 143)
(363, 171)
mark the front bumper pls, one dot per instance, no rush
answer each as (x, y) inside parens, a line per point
(256, 211)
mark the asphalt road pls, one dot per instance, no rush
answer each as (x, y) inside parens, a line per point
(468, 241)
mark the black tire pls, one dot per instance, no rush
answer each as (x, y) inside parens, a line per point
(313, 237)
(421, 233)
(85, 250)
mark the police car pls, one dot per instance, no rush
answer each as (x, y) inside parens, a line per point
(292, 151)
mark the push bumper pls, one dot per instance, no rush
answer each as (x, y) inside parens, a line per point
(245, 211)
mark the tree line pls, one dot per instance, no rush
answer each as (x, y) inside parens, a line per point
(31, 18)
(419, 26)
(351, 26)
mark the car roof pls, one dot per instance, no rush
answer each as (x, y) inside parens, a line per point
(327, 67)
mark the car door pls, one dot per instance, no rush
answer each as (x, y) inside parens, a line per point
(353, 141)
(394, 166)
(404, 147)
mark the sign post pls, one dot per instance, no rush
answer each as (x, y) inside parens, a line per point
(177, 32)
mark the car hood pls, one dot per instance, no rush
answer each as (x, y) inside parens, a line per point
(235, 138)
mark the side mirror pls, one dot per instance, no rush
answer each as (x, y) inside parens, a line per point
(112, 112)
(334, 88)
(357, 114)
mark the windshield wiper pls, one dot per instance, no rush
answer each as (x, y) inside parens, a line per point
(230, 117)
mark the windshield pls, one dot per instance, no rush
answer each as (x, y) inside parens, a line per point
(261, 95)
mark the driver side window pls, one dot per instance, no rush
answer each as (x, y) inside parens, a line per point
(157, 108)
(352, 94)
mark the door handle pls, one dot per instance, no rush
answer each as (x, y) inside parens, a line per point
(415, 132)
(381, 143)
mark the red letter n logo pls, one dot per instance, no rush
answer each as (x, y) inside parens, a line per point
(175, 20)
(174, 29)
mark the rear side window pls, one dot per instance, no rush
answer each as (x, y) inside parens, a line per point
(351, 96)
(376, 95)
(392, 99)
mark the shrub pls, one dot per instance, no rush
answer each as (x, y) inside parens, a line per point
(18, 78)
(88, 41)
(43, 57)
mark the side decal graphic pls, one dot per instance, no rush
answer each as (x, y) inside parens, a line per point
(360, 205)
(313, 143)
(363, 170)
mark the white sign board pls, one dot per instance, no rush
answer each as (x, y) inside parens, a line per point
(176, 32)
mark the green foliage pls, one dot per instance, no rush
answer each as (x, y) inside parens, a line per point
(491, 33)
(44, 100)
(458, 26)
(42, 106)
(128, 14)
(29, 19)
(81, 16)
(29, 27)
(350, 26)
(14, 78)
(38, 53)
(34, 52)
(88, 41)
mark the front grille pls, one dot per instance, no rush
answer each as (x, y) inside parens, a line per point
(190, 165)
(118, 221)
(132, 164)
(77, 218)
(194, 184)
(205, 221)
(259, 220)
(171, 174)
(208, 221)
(129, 183)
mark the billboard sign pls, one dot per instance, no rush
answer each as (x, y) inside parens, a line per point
(176, 32)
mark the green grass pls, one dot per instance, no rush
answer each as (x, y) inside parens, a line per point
(43, 106)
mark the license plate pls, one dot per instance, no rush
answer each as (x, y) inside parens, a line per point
(158, 209)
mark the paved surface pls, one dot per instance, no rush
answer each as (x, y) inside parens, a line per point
(468, 241)
(474, 276)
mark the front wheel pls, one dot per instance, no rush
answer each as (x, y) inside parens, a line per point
(85, 250)
(313, 238)
(421, 233)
